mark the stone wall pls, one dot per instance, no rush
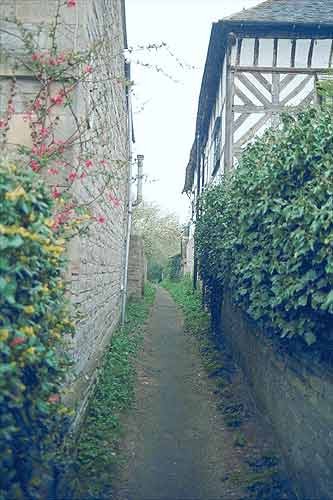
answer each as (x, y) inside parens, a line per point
(295, 394)
(96, 260)
(137, 268)
(187, 250)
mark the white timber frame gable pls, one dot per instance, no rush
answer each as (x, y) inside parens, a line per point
(267, 77)
(261, 78)
(260, 63)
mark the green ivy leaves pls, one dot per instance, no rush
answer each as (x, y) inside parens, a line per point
(267, 232)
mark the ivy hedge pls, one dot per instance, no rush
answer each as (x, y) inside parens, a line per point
(266, 232)
(34, 323)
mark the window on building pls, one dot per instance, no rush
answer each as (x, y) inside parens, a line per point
(216, 145)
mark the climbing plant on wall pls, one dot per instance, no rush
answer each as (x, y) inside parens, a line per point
(41, 183)
(266, 233)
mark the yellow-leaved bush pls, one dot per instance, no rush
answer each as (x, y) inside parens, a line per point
(34, 324)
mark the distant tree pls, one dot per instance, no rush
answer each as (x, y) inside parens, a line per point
(161, 234)
(174, 267)
(155, 272)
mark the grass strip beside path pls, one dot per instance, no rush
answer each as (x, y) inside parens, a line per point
(97, 446)
(262, 474)
(196, 320)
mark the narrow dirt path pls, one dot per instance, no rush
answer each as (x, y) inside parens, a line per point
(194, 432)
(177, 444)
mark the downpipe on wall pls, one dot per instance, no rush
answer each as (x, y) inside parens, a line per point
(131, 205)
(129, 209)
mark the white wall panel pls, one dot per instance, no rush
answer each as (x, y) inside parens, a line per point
(266, 47)
(247, 92)
(284, 53)
(247, 52)
(302, 53)
(259, 86)
(302, 94)
(234, 53)
(321, 53)
(263, 129)
(238, 101)
(291, 86)
(245, 127)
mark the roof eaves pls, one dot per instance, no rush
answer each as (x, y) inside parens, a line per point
(278, 25)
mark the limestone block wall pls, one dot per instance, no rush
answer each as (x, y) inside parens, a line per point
(96, 260)
(295, 394)
(187, 249)
(137, 268)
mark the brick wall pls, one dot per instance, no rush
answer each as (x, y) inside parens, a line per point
(96, 261)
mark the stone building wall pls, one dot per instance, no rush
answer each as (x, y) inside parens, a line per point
(295, 394)
(96, 260)
(188, 251)
(137, 268)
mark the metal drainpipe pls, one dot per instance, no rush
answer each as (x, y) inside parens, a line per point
(129, 212)
(138, 200)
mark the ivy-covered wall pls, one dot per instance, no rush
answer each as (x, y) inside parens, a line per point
(264, 240)
(267, 231)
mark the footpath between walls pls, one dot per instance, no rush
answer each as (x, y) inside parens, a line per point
(262, 472)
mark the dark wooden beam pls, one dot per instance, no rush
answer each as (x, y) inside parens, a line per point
(275, 51)
(239, 50)
(265, 83)
(249, 110)
(293, 53)
(271, 69)
(310, 55)
(331, 55)
(256, 52)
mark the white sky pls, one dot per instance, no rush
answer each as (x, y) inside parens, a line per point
(165, 111)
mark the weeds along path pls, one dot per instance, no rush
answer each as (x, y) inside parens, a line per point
(91, 458)
(178, 444)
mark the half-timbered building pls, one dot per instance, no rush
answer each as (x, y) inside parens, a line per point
(261, 62)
